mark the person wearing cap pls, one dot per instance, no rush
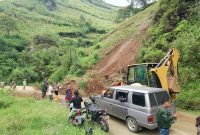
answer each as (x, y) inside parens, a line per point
(76, 102)
(164, 117)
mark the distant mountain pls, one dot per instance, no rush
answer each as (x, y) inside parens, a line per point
(50, 38)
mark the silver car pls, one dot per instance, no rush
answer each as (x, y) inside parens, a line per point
(136, 105)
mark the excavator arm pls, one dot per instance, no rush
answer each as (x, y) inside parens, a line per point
(167, 72)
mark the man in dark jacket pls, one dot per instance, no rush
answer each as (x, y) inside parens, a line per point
(76, 100)
(76, 103)
(164, 117)
(43, 89)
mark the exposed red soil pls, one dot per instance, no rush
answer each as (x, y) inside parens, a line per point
(122, 54)
(113, 66)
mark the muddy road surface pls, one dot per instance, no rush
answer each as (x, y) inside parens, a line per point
(185, 125)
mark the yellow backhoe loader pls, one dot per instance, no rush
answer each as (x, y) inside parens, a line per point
(161, 75)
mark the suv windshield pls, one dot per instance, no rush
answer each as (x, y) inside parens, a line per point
(156, 98)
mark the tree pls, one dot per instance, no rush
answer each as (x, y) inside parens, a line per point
(138, 3)
(7, 24)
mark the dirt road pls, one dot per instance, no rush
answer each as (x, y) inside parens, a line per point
(183, 126)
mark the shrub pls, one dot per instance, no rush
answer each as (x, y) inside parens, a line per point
(82, 84)
(46, 40)
(59, 74)
(177, 26)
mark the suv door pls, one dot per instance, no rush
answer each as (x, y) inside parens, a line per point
(120, 104)
(105, 102)
(138, 107)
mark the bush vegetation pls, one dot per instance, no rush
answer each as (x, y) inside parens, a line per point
(176, 25)
(49, 38)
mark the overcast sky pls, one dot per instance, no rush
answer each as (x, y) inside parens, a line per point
(117, 2)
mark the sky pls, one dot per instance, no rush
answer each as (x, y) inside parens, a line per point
(117, 2)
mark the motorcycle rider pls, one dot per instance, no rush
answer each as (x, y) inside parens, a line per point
(76, 102)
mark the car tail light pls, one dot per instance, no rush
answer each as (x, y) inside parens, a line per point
(150, 119)
(78, 112)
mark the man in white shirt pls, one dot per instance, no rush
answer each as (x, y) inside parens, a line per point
(24, 84)
(50, 92)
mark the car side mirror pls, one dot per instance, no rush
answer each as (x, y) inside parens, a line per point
(121, 99)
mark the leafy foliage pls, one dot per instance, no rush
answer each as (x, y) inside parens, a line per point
(126, 13)
(176, 25)
(50, 38)
(7, 24)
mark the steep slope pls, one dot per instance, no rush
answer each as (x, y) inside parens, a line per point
(50, 38)
(123, 54)
(177, 25)
(124, 42)
(118, 49)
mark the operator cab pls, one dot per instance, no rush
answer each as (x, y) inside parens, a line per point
(141, 73)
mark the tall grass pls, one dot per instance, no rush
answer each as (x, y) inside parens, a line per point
(27, 116)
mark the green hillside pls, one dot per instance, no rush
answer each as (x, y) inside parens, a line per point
(177, 25)
(48, 38)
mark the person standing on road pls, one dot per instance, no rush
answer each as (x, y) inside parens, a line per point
(46, 84)
(57, 87)
(164, 117)
(24, 84)
(14, 85)
(50, 92)
(68, 96)
(43, 90)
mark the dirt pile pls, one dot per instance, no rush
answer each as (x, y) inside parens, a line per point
(93, 87)
(68, 82)
(113, 67)
(122, 55)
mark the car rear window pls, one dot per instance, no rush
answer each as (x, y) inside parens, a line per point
(152, 100)
(160, 96)
(138, 99)
(156, 98)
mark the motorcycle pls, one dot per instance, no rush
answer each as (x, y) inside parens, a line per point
(97, 115)
(77, 117)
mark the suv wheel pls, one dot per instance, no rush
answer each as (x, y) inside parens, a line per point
(132, 124)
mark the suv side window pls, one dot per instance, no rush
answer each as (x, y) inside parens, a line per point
(109, 93)
(138, 99)
(122, 94)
